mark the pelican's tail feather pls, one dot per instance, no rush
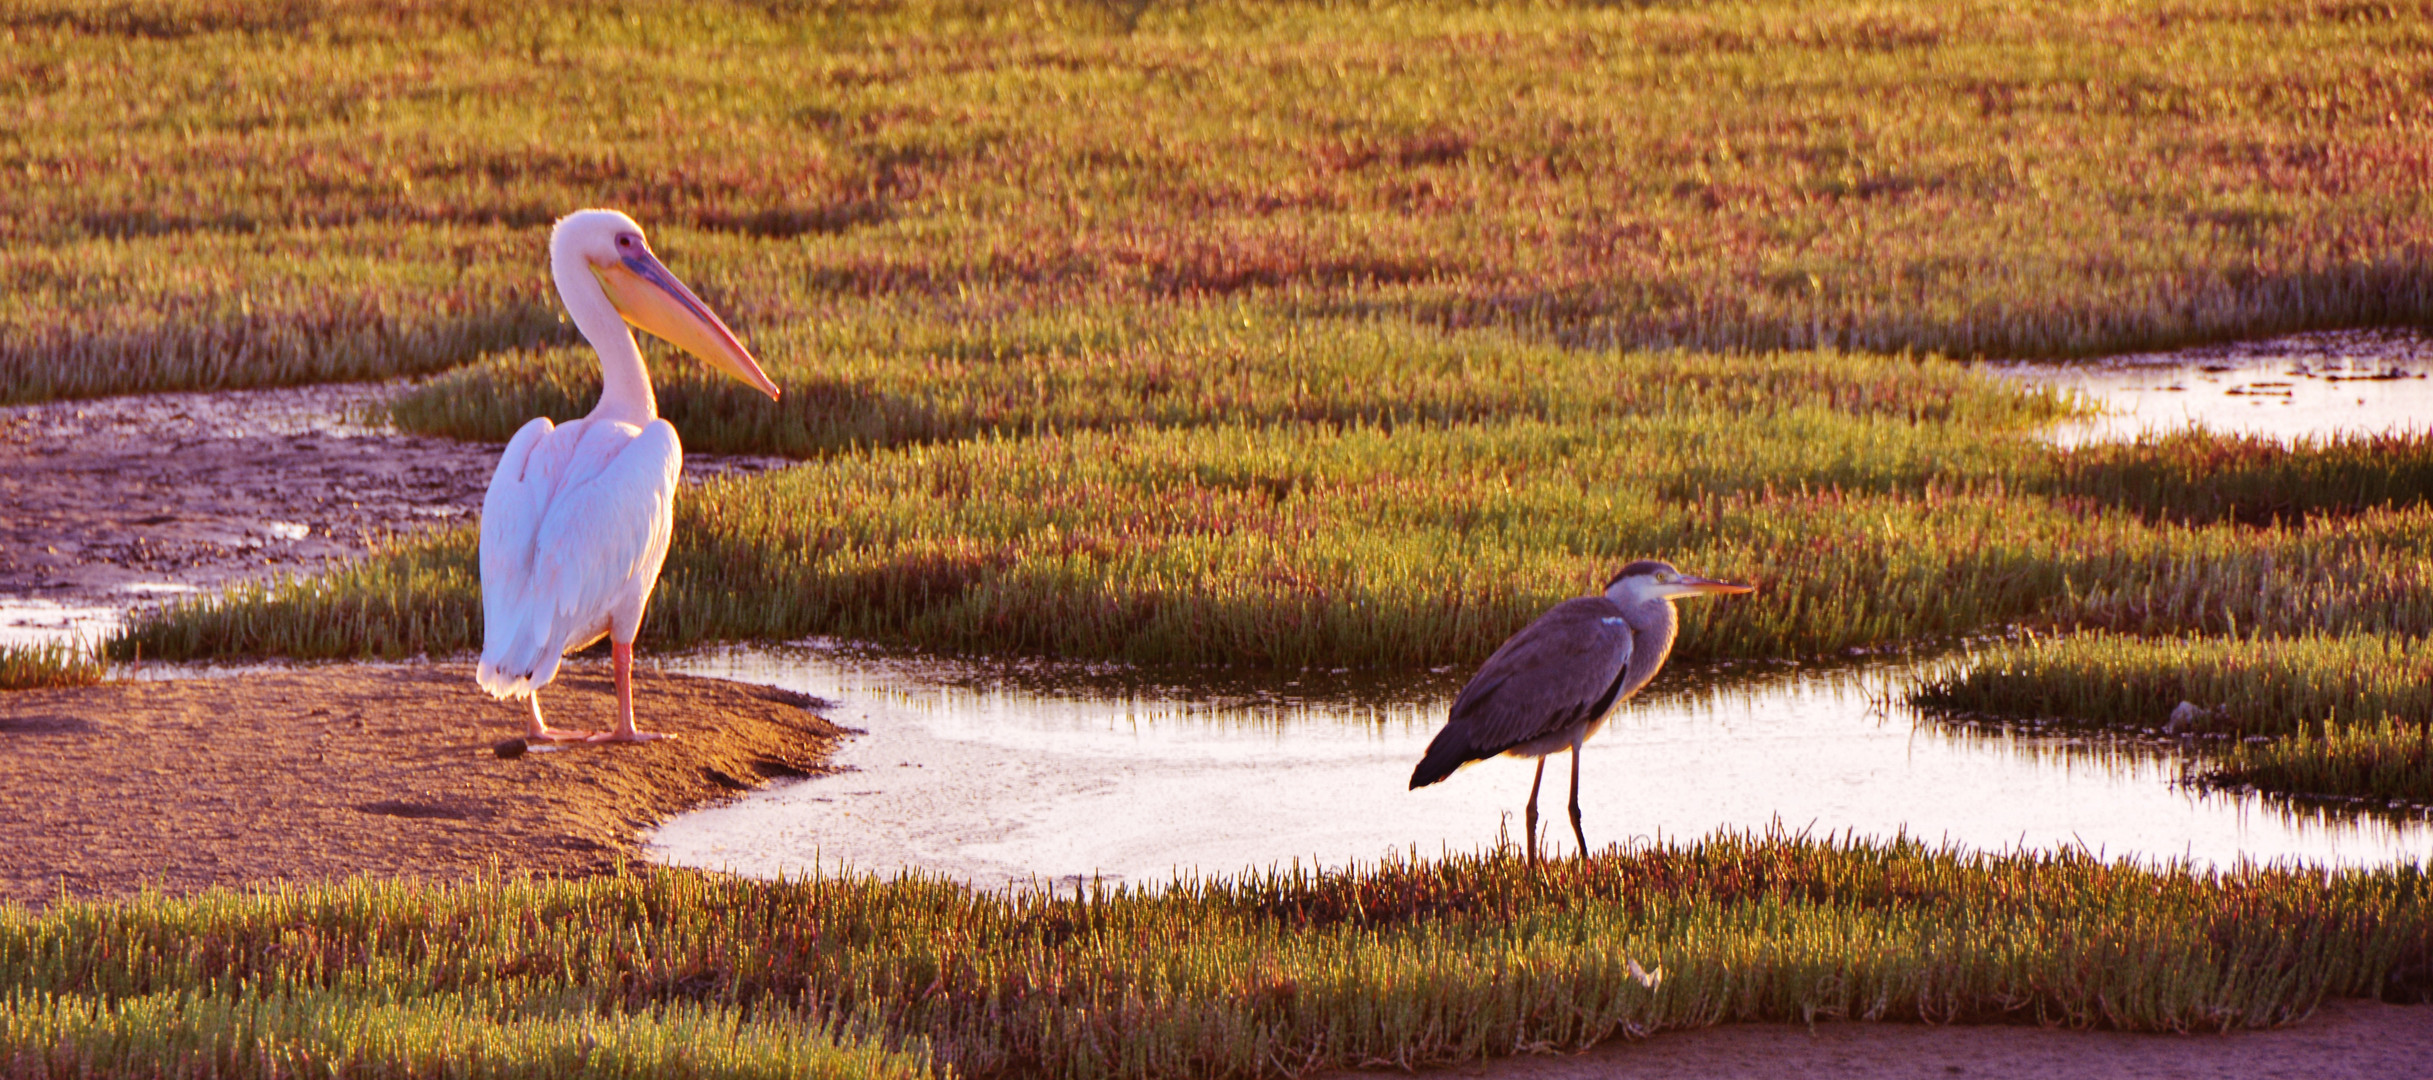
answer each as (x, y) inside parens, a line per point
(519, 665)
(503, 684)
(499, 683)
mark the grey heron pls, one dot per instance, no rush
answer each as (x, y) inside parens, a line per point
(1551, 686)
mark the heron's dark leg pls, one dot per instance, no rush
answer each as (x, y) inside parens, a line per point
(1575, 801)
(1529, 817)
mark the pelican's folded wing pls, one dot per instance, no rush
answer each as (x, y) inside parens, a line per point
(512, 511)
(606, 536)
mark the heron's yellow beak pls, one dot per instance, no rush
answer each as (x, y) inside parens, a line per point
(1686, 585)
(651, 298)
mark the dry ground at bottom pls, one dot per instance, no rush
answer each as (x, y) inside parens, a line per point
(318, 773)
(2344, 1040)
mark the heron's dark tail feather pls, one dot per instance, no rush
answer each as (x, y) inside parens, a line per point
(1443, 756)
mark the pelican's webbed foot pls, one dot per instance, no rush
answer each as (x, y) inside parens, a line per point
(542, 732)
(627, 735)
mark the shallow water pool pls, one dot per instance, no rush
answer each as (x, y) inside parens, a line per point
(2301, 386)
(29, 621)
(997, 776)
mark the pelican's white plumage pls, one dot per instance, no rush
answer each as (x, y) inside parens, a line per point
(574, 530)
(578, 517)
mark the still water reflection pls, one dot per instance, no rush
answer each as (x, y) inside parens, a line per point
(26, 621)
(2301, 386)
(998, 775)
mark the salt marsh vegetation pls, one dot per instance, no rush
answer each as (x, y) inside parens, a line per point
(211, 195)
(1281, 334)
(1406, 962)
(2331, 716)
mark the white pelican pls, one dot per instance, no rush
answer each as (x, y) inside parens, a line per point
(1551, 686)
(577, 519)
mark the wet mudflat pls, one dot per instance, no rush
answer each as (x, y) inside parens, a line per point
(1005, 776)
(199, 489)
(118, 501)
(187, 782)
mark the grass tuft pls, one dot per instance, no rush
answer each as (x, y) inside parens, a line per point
(2246, 686)
(2388, 762)
(55, 665)
(182, 1034)
(2204, 477)
(2343, 717)
(887, 374)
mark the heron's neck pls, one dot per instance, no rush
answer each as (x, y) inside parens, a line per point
(1653, 625)
(625, 392)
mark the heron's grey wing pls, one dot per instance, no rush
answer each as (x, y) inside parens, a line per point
(1563, 669)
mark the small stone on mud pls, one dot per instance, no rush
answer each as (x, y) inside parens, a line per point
(509, 749)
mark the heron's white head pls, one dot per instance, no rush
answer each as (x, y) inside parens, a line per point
(1652, 579)
(610, 245)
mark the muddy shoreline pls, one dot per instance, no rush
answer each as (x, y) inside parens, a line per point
(117, 502)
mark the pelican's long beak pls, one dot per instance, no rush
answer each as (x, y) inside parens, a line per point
(651, 298)
(1687, 585)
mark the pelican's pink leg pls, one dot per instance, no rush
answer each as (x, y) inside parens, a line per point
(541, 732)
(621, 654)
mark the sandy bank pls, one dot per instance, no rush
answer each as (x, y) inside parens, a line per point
(316, 773)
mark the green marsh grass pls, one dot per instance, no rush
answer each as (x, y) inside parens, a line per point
(420, 596)
(2386, 761)
(1449, 487)
(2320, 716)
(1276, 973)
(48, 666)
(2203, 476)
(1287, 544)
(207, 195)
(883, 375)
(178, 1034)
(211, 311)
(1412, 545)
(2247, 686)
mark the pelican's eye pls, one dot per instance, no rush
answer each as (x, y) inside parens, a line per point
(625, 241)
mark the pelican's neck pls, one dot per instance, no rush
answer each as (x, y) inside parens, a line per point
(625, 392)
